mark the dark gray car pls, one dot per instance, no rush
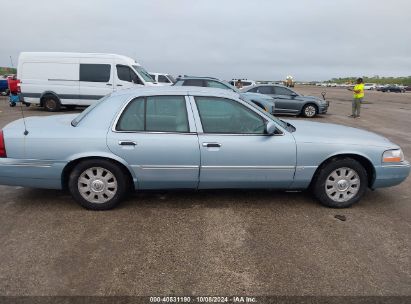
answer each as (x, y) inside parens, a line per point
(288, 101)
(261, 100)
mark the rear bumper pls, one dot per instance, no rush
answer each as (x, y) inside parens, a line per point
(31, 173)
(391, 175)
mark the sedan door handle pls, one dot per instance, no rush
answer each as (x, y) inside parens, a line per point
(212, 145)
(127, 143)
(109, 84)
(119, 85)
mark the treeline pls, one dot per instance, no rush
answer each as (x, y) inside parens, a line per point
(6, 71)
(375, 79)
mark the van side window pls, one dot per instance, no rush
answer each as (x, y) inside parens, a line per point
(95, 72)
(126, 74)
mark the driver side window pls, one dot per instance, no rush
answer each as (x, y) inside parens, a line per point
(221, 115)
(283, 91)
(126, 74)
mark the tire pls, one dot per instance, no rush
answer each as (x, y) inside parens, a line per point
(104, 191)
(70, 107)
(310, 110)
(339, 191)
(51, 103)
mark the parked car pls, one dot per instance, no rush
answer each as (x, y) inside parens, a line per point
(245, 82)
(288, 101)
(163, 79)
(263, 101)
(370, 86)
(392, 88)
(4, 88)
(53, 80)
(194, 138)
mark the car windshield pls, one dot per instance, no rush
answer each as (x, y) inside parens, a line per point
(173, 80)
(143, 73)
(83, 114)
(275, 119)
(230, 86)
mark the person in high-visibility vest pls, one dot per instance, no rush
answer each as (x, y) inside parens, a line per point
(357, 98)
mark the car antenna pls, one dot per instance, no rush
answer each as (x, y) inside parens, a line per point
(21, 106)
(24, 119)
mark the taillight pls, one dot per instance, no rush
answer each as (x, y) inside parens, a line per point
(2, 145)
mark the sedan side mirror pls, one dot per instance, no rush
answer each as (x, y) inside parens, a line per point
(270, 128)
(293, 95)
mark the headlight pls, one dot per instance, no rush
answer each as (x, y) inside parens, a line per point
(393, 156)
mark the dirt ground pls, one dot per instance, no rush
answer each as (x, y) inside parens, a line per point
(215, 242)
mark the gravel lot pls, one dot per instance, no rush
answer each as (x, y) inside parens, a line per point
(215, 242)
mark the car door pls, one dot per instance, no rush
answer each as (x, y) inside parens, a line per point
(235, 151)
(286, 101)
(156, 136)
(125, 78)
(96, 80)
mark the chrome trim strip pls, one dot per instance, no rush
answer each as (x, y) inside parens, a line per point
(251, 167)
(396, 166)
(164, 167)
(45, 165)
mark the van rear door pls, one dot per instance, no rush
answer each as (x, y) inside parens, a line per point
(96, 79)
(55, 75)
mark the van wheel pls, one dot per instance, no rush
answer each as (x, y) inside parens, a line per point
(340, 183)
(51, 103)
(98, 184)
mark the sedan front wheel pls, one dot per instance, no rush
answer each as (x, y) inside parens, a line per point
(340, 183)
(310, 110)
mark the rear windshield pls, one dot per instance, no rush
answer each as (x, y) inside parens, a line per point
(83, 114)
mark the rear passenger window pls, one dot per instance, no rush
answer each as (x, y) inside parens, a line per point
(155, 114)
(265, 90)
(95, 72)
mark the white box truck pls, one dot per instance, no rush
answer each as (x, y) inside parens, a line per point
(54, 79)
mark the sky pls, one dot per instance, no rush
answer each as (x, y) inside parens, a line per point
(255, 39)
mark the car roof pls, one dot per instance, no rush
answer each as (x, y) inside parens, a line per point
(176, 90)
(197, 77)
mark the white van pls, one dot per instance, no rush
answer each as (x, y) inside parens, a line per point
(56, 79)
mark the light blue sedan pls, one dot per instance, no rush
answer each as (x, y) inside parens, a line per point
(195, 138)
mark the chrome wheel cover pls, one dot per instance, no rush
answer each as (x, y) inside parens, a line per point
(342, 184)
(310, 111)
(97, 185)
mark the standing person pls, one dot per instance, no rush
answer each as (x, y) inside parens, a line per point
(239, 84)
(357, 98)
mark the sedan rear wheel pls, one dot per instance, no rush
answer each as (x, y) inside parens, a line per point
(340, 183)
(98, 184)
(309, 110)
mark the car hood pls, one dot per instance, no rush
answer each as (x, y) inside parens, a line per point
(316, 132)
(310, 97)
